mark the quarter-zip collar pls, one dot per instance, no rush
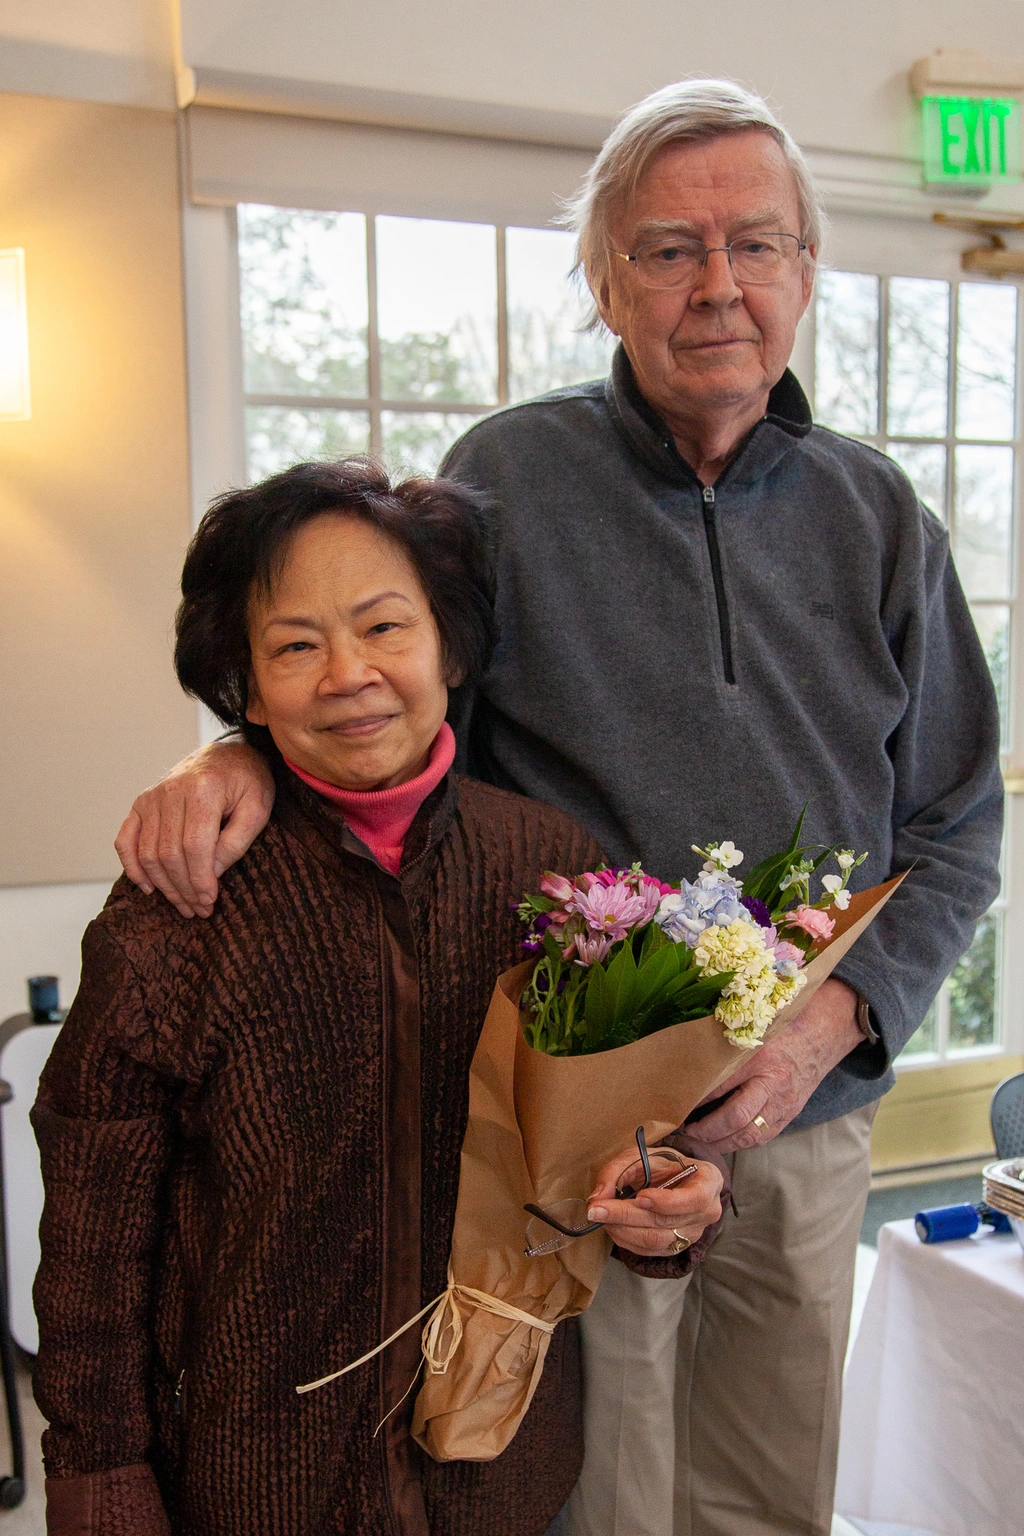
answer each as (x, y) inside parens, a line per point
(788, 419)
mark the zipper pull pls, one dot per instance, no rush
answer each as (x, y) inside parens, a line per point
(708, 494)
(177, 1394)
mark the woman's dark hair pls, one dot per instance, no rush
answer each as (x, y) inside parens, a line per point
(242, 543)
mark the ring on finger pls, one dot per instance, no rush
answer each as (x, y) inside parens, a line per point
(760, 1122)
(681, 1243)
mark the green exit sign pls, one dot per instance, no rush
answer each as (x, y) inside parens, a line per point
(971, 139)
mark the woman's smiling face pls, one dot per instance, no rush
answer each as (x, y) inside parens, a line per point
(347, 669)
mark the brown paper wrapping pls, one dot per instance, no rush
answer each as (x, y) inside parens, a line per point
(540, 1128)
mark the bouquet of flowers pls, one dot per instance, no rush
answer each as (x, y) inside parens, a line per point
(636, 1001)
(622, 955)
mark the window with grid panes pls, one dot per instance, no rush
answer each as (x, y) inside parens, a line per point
(393, 335)
(926, 371)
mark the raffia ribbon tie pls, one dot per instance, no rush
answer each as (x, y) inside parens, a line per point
(445, 1318)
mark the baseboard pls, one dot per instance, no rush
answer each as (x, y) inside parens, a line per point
(927, 1173)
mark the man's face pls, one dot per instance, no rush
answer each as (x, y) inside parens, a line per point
(714, 345)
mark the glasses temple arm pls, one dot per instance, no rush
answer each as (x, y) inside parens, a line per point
(535, 1210)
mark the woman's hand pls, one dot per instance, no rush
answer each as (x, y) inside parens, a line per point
(651, 1224)
(181, 835)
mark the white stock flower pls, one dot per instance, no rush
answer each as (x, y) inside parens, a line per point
(836, 888)
(845, 858)
(719, 857)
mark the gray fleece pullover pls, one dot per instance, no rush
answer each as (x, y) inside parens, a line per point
(680, 664)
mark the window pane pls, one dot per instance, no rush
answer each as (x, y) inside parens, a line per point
(986, 349)
(918, 356)
(437, 306)
(546, 346)
(972, 989)
(925, 1037)
(277, 436)
(415, 442)
(984, 505)
(846, 352)
(993, 625)
(304, 302)
(925, 465)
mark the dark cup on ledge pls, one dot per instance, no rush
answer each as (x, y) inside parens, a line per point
(44, 999)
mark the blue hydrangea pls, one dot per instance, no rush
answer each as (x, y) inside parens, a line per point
(712, 899)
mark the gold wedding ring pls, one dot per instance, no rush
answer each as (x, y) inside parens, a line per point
(681, 1243)
(760, 1122)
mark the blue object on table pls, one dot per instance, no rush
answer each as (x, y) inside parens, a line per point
(945, 1223)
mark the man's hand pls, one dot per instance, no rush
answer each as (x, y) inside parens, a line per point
(650, 1224)
(181, 835)
(780, 1077)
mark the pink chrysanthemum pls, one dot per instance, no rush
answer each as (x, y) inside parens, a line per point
(612, 909)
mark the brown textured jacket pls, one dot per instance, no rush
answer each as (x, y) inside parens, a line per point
(250, 1132)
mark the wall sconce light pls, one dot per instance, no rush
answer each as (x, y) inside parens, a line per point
(14, 396)
(994, 259)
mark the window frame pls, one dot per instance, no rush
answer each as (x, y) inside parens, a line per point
(1009, 1006)
(374, 403)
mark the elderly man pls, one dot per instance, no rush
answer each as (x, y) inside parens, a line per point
(713, 612)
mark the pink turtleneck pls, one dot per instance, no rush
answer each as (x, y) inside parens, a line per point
(381, 818)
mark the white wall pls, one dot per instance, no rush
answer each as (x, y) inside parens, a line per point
(836, 72)
(94, 511)
(119, 51)
(40, 934)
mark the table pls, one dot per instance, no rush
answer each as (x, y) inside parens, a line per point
(933, 1405)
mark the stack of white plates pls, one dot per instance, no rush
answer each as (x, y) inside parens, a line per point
(1004, 1191)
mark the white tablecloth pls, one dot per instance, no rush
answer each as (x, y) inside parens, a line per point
(933, 1406)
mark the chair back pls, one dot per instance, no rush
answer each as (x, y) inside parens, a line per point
(1007, 1117)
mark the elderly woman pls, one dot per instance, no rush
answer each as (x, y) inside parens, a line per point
(250, 1127)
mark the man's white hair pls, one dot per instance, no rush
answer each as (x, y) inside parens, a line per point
(684, 113)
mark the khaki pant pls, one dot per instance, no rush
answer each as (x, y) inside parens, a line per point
(712, 1404)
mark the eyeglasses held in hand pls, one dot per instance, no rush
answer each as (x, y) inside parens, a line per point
(659, 1168)
(678, 262)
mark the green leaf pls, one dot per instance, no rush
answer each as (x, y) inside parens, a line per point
(763, 877)
(597, 1008)
(657, 971)
(672, 988)
(708, 989)
(552, 950)
(623, 986)
(655, 940)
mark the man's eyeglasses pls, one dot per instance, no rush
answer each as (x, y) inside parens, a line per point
(561, 1223)
(678, 262)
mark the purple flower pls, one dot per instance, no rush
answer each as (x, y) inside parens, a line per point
(758, 911)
